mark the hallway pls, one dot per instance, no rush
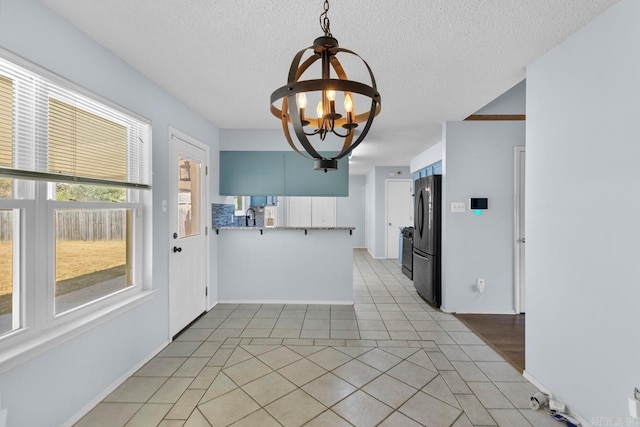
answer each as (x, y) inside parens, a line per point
(390, 360)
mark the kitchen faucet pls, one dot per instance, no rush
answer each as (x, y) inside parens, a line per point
(247, 217)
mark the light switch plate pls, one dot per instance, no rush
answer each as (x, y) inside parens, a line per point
(458, 207)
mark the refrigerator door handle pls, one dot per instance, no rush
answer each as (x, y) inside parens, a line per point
(421, 214)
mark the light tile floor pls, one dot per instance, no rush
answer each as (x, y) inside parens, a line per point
(390, 360)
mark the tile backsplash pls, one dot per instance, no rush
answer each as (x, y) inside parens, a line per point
(221, 214)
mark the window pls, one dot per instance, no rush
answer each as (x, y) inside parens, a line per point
(75, 175)
(241, 205)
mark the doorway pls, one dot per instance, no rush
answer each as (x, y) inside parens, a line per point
(398, 213)
(188, 247)
(519, 229)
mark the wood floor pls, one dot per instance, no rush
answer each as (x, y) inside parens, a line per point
(503, 332)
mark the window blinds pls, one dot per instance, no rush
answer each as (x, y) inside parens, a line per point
(6, 121)
(51, 132)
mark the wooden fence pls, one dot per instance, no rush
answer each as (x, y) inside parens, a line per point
(85, 225)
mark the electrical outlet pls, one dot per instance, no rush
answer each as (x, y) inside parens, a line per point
(480, 285)
(634, 408)
(634, 404)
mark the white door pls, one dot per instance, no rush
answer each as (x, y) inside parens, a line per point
(398, 213)
(519, 229)
(188, 249)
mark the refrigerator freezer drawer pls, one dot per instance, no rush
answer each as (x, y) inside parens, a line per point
(425, 277)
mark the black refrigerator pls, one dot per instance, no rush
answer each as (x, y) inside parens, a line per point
(426, 238)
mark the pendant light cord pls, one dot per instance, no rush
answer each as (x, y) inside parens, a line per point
(325, 25)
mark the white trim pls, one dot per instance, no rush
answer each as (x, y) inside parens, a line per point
(33, 346)
(206, 221)
(537, 384)
(375, 257)
(475, 311)
(279, 301)
(517, 286)
(117, 383)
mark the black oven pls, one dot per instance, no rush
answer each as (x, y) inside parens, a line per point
(407, 252)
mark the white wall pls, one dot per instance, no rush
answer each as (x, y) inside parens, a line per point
(350, 210)
(582, 216)
(54, 386)
(512, 101)
(479, 163)
(266, 140)
(286, 266)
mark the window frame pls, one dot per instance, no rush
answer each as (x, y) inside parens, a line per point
(40, 328)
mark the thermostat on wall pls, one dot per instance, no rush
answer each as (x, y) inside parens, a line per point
(476, 203)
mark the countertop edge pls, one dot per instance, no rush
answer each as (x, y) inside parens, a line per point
(282, 228)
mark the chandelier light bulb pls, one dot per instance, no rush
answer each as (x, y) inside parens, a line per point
(331, 95)
(320, 110)
(302, 100)
(348, 103)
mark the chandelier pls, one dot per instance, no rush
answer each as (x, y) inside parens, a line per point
(332, 87)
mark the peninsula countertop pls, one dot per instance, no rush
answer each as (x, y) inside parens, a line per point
(235, 227)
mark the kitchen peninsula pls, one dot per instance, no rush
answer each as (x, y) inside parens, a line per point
(294, 265)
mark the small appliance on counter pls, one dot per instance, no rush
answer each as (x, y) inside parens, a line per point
(270, 216)
(407, 252)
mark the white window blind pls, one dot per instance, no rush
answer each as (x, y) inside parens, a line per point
(6, 121)
(51, 132)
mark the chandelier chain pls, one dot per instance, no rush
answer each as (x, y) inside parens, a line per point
(325, 24)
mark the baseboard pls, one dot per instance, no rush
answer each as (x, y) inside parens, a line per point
(472, 311)
(89, 406)
(376, 257)
(263, 301)
(545, 390)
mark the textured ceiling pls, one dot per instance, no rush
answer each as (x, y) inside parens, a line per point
(434, 60)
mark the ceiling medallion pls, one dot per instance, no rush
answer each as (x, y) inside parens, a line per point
(332, 87)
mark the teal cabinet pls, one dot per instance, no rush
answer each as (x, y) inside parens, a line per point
(437, 168)
(278, 173)
(251, 173)
(433, 169)
(301, 180)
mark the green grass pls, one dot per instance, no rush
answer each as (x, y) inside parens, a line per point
(78, 265)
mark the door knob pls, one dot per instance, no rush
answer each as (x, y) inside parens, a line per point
(389, 223)
(176, 249)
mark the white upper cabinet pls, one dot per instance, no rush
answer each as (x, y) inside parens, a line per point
(311, 211)
(323, 211)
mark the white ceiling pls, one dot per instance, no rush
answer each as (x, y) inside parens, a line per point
(434, 60)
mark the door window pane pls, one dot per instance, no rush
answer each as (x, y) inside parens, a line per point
(93, 255)
(7, 276)
(188, 198)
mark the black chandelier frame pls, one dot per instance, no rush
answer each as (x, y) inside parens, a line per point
(325, 49)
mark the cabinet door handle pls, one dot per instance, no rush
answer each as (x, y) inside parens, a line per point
(176, 249)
